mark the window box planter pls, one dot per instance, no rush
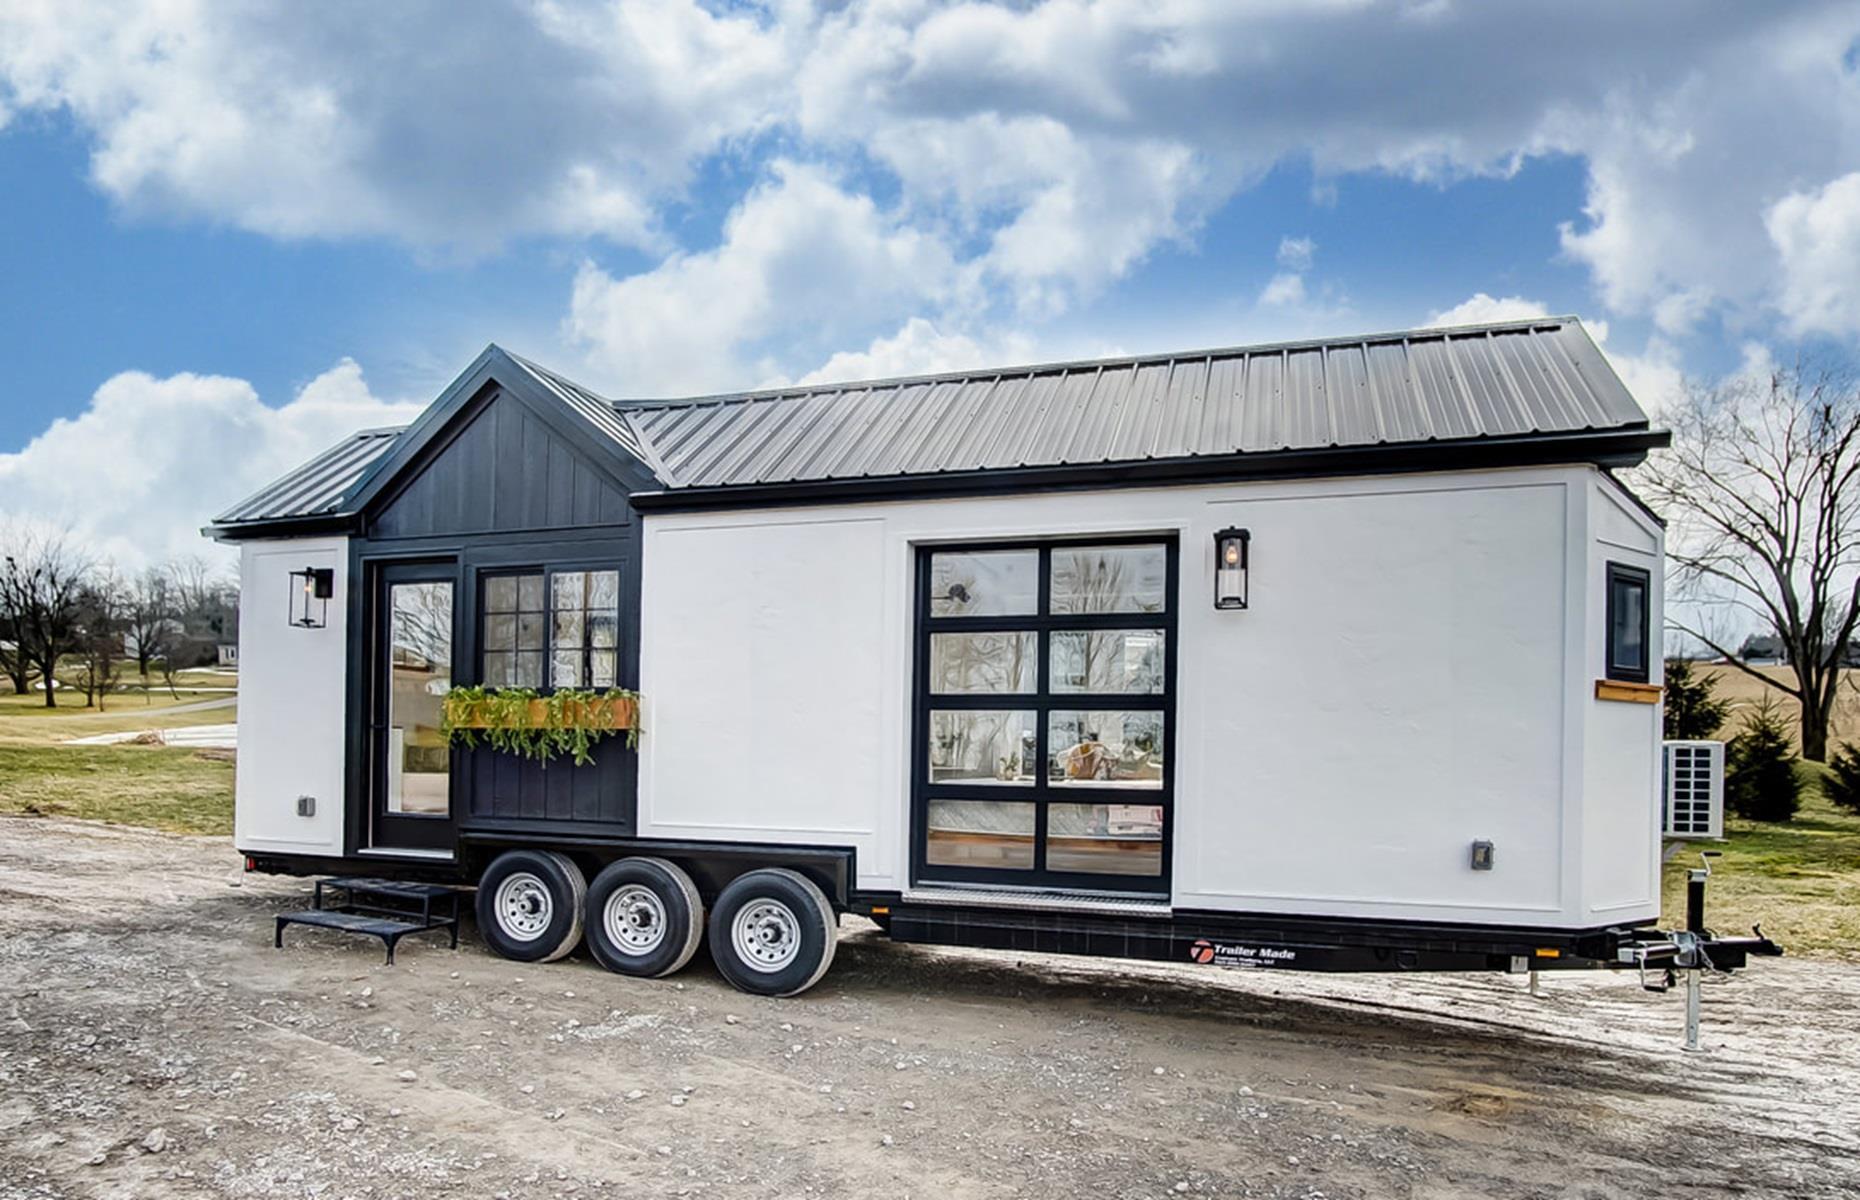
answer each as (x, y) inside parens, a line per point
(518, 721)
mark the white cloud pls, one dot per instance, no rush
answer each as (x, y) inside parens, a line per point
(800, 256)
(1817, 233)
(138, 472)
(1480, 308)
(920, 348)
(1055, 145)
(1283, 290)
(1653, 377)
(1295, 254)
(438, 125)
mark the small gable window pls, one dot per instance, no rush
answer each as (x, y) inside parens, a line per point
(557, 629)
(1628, 633)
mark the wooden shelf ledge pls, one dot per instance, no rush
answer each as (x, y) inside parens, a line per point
(1627, 693)
(619, 713)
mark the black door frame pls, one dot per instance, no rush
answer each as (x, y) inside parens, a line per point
(404, 831)
(1041, 702)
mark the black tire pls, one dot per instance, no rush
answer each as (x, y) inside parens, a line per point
(644, 917)
(530, 904)
(787, 915)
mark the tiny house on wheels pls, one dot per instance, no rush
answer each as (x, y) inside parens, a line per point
(1334, 655)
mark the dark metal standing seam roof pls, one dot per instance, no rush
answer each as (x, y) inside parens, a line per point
(1496, 381)
(1523, 380)
(597, 409)
(319, 486)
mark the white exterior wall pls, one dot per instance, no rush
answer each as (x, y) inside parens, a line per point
(1412, 675)
(1621, 751)
(293, 702)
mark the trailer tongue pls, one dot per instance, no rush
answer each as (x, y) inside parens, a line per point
(1694, 950)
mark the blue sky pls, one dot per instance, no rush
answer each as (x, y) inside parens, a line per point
(235, 234)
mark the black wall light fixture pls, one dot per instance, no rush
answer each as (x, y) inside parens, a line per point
(311, 589)
(1230, 567)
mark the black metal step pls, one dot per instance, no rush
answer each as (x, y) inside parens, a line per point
(389, 929)
(388, 887)
(389, 909)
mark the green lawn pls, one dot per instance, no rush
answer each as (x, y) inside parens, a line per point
(181, 791)
(25, 718)
(1800, 879)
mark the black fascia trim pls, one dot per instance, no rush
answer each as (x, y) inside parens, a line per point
(1613, 448)
(345, 523)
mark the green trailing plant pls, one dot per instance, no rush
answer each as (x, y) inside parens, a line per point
(1760, 783)
(1841, 785)
(527, 723)
(1693, 710)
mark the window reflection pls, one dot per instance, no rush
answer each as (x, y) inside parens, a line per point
(1105, 839)
(984, 583)
(982, 747)
(513, 631)
(983, 662)
(1105, 749)
(1109, 579)
(420, 674)
(1127, 661)
(979, 833)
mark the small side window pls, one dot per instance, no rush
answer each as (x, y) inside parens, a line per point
(1628, 632)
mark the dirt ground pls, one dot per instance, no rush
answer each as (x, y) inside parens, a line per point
(153, 1044)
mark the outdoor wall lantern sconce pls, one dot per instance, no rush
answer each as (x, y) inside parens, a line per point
(1230, 554)
(311, 589)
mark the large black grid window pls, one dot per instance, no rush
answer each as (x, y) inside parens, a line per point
(1045, 713)
(557, 629)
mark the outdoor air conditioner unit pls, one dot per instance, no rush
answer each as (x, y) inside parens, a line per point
(1692, 802)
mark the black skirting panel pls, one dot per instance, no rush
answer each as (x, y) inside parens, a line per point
(505, 787)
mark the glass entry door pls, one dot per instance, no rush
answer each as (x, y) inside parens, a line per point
(413, 671)
(1045, 713)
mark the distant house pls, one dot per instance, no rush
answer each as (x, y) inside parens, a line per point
(1768, 650)
(229, 654)
(1764, 651)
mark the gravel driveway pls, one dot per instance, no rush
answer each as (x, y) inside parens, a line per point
(153, 1044)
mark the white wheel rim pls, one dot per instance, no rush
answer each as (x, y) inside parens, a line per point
(524, 906)
(635, 919)
(766, 935)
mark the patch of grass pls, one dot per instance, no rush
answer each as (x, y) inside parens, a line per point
(25, 718)
(180, 791)
(1800, 878)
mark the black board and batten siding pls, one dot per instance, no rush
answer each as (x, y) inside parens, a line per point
(509, 486)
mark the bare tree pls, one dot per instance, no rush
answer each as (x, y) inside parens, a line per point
(42, 579)
(195, 583)
(150, 621)
(14, 663)
(103, 602)
(1760, 484)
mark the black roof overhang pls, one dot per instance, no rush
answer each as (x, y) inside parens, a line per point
(1624, 447)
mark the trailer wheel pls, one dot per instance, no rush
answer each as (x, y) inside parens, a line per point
(772, 932)
(645, 917)
(529, 905)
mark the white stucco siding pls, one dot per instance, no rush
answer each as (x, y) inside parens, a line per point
(293, 709)
(1393, 694)
(1621, 758)
(1400, 687)
(766, 713)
